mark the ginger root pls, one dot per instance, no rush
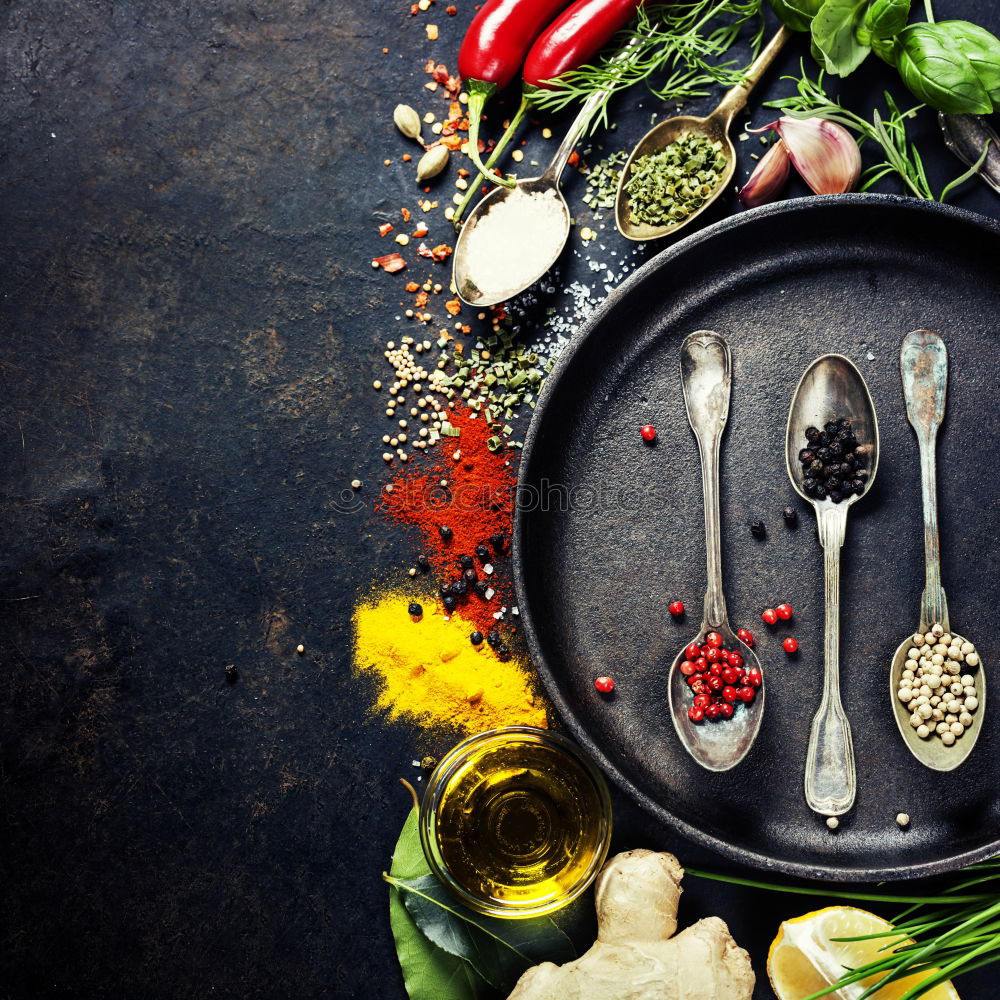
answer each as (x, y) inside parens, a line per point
(636, 956)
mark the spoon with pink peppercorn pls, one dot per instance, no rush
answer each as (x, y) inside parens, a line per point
(715, 686)
(937, 701)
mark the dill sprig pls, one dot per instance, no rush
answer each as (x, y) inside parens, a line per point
(901, 156)
(939, 934)
(677, 52)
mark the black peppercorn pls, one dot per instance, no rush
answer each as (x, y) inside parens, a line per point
(493, 637)
(810, 487)
(497, 541)
(820, 491)
(816, 466)
(445, 532)
(480, 587)
(823, 440)
(824, 454)
(812, 434)
(831, 428)
(757, 529)
(791, 516)
(423, 563)
(858, 485)
(806, 456)
(450, 603)
(469, 575)
(476, 638)
(415, 609)
(834, 483)
(836, 496)
(503, 650)
(459, 588)
(231, 673)
(836, 449)
(482, 552)
(445, 589)
(844, 423)
(465, 562)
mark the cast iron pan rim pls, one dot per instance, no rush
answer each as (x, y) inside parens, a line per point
(799, 206)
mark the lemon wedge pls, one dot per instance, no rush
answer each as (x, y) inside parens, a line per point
(804, 958)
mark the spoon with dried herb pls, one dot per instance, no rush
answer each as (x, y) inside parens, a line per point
(682, 164)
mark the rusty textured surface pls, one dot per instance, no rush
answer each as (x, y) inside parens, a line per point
(189, 327)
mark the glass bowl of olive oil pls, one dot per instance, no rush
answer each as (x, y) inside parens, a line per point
(516, 821)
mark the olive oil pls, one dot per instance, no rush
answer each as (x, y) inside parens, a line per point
(521, 822)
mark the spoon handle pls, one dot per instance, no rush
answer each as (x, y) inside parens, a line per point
(582, 122)
(923, 365)
(706, 376)
(736, 98)
(831, 782)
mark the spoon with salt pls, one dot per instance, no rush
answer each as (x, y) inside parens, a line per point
(923, 365)
(514, 235)
(714, 127)
(706, 377)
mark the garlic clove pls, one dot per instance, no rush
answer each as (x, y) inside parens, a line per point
(823, 152)
(769, 177)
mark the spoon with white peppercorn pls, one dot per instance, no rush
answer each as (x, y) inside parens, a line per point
(933, 680)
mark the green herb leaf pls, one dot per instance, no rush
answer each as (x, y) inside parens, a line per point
(981, 49)
(886, 18)
(835, 33)
(429, 973)
(499, 950)
(938, 72)
(796, 14)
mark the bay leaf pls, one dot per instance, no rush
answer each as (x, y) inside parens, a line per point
(429, 972)
(499, 950)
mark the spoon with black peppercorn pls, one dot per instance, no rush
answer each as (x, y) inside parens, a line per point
(716, 741)
(932, 682)
(833, 396)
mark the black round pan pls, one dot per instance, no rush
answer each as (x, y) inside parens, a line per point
(609, 530)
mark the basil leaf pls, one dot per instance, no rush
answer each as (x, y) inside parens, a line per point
(796, 14)
(499, 950)
(835, 32)
(981, 49)
(886, 18)
(429, 973)
(938, 73)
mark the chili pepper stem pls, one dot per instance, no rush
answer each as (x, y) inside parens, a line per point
(479, 93)
(522, 110)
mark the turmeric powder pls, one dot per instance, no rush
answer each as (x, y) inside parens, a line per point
(431, 674)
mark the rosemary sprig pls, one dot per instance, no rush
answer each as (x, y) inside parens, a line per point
(677, 53)
(901, 155)
(936, 936)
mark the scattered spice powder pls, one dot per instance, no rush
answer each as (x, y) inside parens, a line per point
(431, 674)
(476, 504)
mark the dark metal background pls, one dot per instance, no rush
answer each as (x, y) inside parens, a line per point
(188, 202)
(609, 530)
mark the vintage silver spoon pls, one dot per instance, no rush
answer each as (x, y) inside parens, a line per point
(706, 376)
(476, 289)
(714, 127)
(923, 365)
(830, 389)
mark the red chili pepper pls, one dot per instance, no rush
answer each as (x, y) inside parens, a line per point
(569, 41)
(575, 37)
(493, 50)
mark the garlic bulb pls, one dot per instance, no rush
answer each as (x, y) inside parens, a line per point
(768, 179)
(823, 152)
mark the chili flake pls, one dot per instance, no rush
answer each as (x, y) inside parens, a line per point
(385, 229)
(390, 263)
